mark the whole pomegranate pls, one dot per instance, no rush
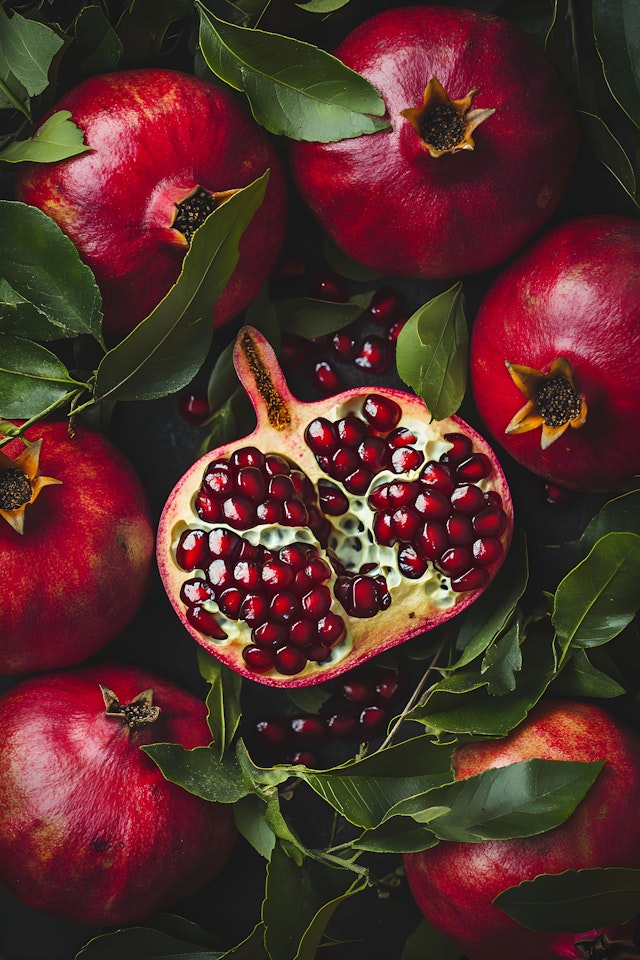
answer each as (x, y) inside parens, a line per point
(454, 884)
(336, 530)
(480, 145)
(90, 830)
(555, 358)
(166, 149)
(76, 540)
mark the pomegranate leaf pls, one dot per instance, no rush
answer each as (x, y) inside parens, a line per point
(57, 139)
(32, 379)
(322, 6)
(431, 352)
(98, 45)
(599, 597)
(144, 943)
(311, 318)
(617, 32)
(580, 678)
(249, 817)
(200, 771)
(575, 900)
(397, 835)
(46, 291)
(27, 49)
(223, 699)
(294, 88)
(426, 941)
(503, 660)
(611, 154)
(143, 26)
(617, 515)
(165, 351)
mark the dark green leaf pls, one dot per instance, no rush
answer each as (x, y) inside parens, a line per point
(294, 88)
(98, 45)
(260, 777)
(503, 660)
(57, 139)
(314, 318)
(580, 678)
(519, 800)
(322, 6)
(223, 700)
(621, 514)
(611, 154)
(616, 26)
(200, 771)
(249, 814)
(165, 351)
(32, 379)
(432, 352)
(223, 380)
(309, 699)
(599, 597)
(46, 291)
(143, 943)
(575, 900)
(396, 835)
(27, 48)
(252, 948)
(144, 25)
(427, 942)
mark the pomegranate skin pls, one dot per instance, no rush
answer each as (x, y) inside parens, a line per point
(90, 830)
(574, 294)
(454, 883)
(395, 208)
(155, 135)
(81, 569)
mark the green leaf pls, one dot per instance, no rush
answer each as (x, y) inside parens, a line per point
(427, 942)
(98, 45)
(294, 88)
(144, 943)
(610, 153)
(27, 48)
(223, 699)
(431, 352)
(396, 835)
(143, 27)
(616, 27)
(580, 678)
(57, 139)
(249, 814)
(316, 890)
(200, 771)
(46, 291)
(620, 514)
(503, 660)
(598, 598)
(519, 800)
(165, 351)
(574, 901)
(32, 379)
(322, 6)
(314, 318)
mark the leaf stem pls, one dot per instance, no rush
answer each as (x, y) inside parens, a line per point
(19, 432)
(414, 698)
(14, 100)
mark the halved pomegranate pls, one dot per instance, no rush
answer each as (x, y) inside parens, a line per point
(336, 530)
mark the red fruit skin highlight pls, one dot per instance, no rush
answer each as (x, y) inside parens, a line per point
(90, 830)
(81, 569)
(392, 206)
(454, 883)
(575, 294)
(155, 135)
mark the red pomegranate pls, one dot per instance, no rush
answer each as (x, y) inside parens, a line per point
(555, 358)
(454, 884)
(90, 830)
(166, 149)
(76, 540)
(336, 530)
(481, 143)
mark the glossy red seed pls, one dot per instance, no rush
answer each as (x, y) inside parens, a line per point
(220, 483)
(333, 500)
(378, 498)
(276, 574)
(400, 493)
(382, 529)
(303, 758)
(410, 564)
(487, 551)
(294, 350)
(280, 487)
(468, 499)
(325, 377)
(437, 475)
(302, 634)
(490, 522)
(230, 601)
(364, 597)
(294, 554)
(461, 448)
(373, 453)
(269, 511)
(459, 529)
(556, 496)
(250, 551)
(340, 725)
(274, 464)
(316, 603)
(343, 462)
(239, 512)
(400, 437)
(383, 413)
(321, 435)
(358, 482)
(192, 551)
(388, 685)
(220, 575)
(374, 354)
(432, 540)
(404, 459)
(385, 303)
(247, 457)
(405, 523)
(317, 570)
(395, 328)
(224, 543)
(302, 486)
(473, 579)
(351, 430)
(357, 689)
(193, 407)
(319, 653)
(205, 621)
(207, 507)
(330, 629)
(371, 718)
(289, 661)
(310, 726)
(250, 483)
(455, 561)
(195, 591)
(246, 573)
(284, 606)
(343, 344)
(432, 504)
(294, 513)
(254, 609)
(273, 731)
(384, 597)
(269, 634)
(329, 286)
(258, 659)
(476, 468)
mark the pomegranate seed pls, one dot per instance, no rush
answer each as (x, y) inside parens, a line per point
(280, 487)
(246, 573)
(289, 661)
(384, 597)
(371, 718)
(461, 448)
(304, 758)
(258, 659)
(269, 634)
(388, 685)
(344, 345)
(490, 522)
(329, 286)
(410, 564)
(385, 303)
(356, 690)
(374, 354)
(294, 554)
(556, 496)
(316, 603)
(340, 725)
(192, 551)
(294, 350)
(247, 551)
(437, 475)
(326, 378)
(358, 482)
(318, 524)
(493, 498)
(294, 514)
(460, 529)
(219, 575)
(433, 504)
(364, 597)
(468, 499)
(343, 462)
(432, 540)
(404, 459)
(247, 457)
(455, 560)
(193, 407)
(207, 508)
(310, 726)
(230, 602)
(319, 653)
(351, 430)
(317, 570)
(239, 512)
(382, 412)
(273, 731)
(401, 437)
(224, 543)
(220, 483)
(254, 609)
(274, 464)
(405, 523)
(250, 483)
(321, 436)
(476, 468)
(473, 579)
(269, 511)
(302, 486)
(400, 493)
(382, 529)
(332, 500)
(284, 606)
(373, 453)
(378, 499)
(195, 591)
(205, 621)
(331, 629)
(394, 329)
(487, 551)
(302, 634)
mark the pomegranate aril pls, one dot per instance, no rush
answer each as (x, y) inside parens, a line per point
(319, 653)
(373, 454)
(474, 579)
(404, 459)
(205, 621)
(455, 561)
(258, 659)
(317, 570)
(330, 629)
(321, 436)
(294, 514)
(316, 603)
(239, 512)
(437, 475)
(459, 530)
(382, 412)
(224, 543)
(246, 573)
(555, 495)
(358, 482)
(388, 685)
(269, 511)
(400, 493)
(432, 540)
(461, 448)
(476, 468)
(193, 407)
(340, 725)
(493, 498)
(276, 574)
(274, 464)
(318, 524)
(405, 523)
(192, 551)
(280, 487)
(269, 634)
(219, 483)
(362, 599)
(284, 606)
(247, 457)
(351, 430)
(207, 507)
(384, 597)
(250, 551)
(302, 486)
(326, 378)
(400, 437)
(254, 609)
(294, 554)
(195, 591)
(303, 758)
(230, 602)
(343, 462)
(273, 731)
(289, 661)
(468, 499)
(433, 504)
(311, 727)
(385, 303)
(344, 345)
(220, 575)
(486, 551)
(332, 499)
(250, 483)
(490, 522)
(373, 354)
(356, 690)
(394, 329)
(382, 529)
(302, 634)
(378, 499)
(410, 564)
(371, 718)
(329, 286)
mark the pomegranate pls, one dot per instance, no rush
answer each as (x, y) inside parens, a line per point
(166, 149)
(555, 366)
(336, 530)
(90, 830)
(481, 143)
(76, 540)
(454, 884)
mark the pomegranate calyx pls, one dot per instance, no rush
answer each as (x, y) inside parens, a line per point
(445, 125)
(263, 382)
(137, 713)
(602, 948)
(193, 210)
(553, 401)
(20, 484)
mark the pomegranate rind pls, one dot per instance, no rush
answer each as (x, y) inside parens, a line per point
(417, 605)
